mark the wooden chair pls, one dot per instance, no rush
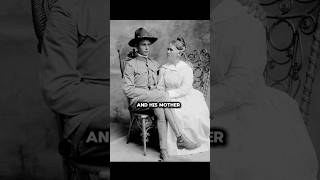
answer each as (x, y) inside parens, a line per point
(200, 60)
(297, 55)
(40, 10)
(145, 120)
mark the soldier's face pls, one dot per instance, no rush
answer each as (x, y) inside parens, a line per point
(144, 47)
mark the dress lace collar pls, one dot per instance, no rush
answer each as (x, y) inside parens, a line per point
(180, 65)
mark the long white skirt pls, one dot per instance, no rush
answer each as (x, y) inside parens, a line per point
(194, 121)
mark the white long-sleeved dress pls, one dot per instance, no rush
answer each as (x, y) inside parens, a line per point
(193, 116)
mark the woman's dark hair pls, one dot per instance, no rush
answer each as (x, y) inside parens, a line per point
(179, 43)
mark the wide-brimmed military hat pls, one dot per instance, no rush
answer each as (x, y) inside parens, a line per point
(139, 35)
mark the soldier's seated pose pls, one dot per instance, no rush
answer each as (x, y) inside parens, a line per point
(75, 76)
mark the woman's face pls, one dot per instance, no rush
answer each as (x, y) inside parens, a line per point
(173, 52)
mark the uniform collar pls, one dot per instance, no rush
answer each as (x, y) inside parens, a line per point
(142, 58)
(150, 62)
(226, 10)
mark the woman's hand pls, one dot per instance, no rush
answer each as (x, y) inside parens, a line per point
(255, 8)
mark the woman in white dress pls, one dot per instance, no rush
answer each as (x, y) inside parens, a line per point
(176, 77)
(267, 138)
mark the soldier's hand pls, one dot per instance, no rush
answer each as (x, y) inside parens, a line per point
(167, 94)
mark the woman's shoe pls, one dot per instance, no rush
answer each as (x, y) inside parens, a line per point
(184, 143)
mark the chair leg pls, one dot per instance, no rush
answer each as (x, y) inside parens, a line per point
(66, 170)
(144, 136)
(74, 174)
(105, 174)
(130, 126)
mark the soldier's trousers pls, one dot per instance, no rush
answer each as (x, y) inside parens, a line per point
(88, 138)
(162, 114)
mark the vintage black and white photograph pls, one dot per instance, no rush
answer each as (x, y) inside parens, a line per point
(54, 90)
(265, 89)
(159, 90)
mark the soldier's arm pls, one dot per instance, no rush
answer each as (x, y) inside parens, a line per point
(128, 87)
(62, 87)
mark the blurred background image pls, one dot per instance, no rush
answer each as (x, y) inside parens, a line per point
(28, 130)
(291, 28)
(292, 39)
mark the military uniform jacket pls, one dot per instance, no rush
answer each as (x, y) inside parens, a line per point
(75, 71)
(139, 77)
